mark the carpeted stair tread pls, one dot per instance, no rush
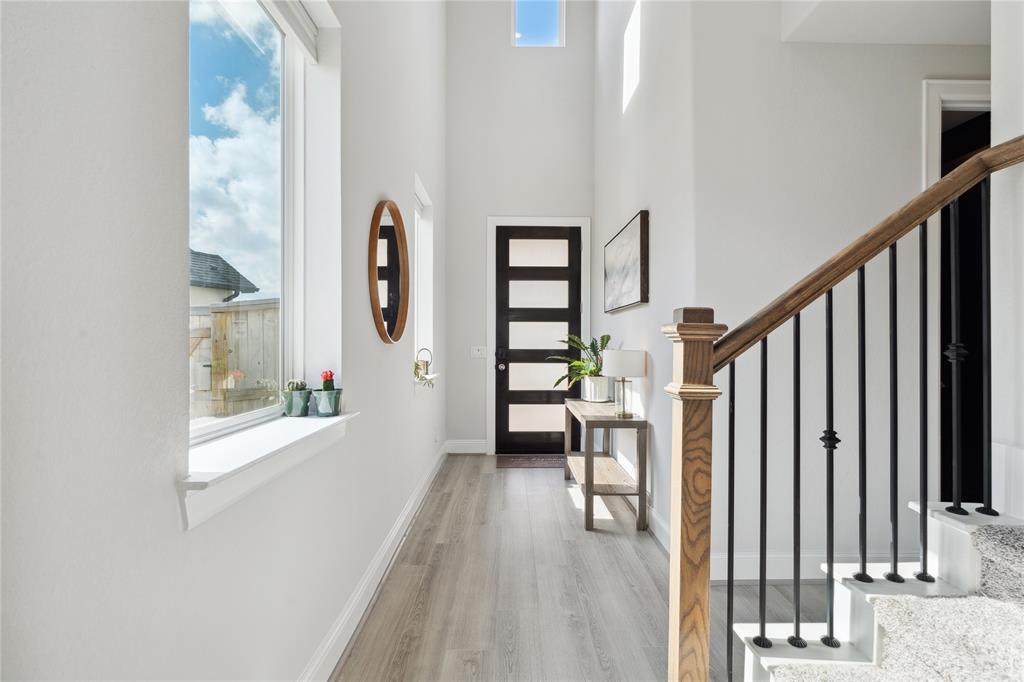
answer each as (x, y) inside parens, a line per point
(1002, 561)
(954, 639)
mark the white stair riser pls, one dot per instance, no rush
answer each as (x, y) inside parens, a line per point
(952, 557)
(753, 671)
(855, 621)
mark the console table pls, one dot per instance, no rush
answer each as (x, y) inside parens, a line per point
(599, 473)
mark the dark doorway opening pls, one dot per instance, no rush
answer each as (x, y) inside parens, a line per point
(964, 133)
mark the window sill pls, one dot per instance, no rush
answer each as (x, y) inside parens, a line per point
(225, 470)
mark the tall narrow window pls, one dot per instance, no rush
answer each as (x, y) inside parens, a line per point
(631, 55)
(424, 292)
(538, 23)
(236, 209)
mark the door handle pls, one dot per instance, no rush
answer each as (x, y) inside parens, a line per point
(500, 367)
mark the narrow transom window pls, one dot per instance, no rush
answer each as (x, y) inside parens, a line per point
(538, 23)
(424, 269)
(235, 212)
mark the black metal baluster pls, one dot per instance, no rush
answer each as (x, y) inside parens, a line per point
(761, 640)
(795, 639)
(893, 574)
(730, 561)
(955, 353)
(922, 518)
(862, 431)
(830, 442)
(986, 356)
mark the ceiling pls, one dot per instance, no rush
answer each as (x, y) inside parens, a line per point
(896, 22)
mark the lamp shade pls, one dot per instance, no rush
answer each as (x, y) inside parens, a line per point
(624, 363)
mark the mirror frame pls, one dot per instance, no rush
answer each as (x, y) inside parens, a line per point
(403, 264)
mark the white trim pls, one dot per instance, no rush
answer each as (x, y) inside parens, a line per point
(332, 647)
(293, 265)
(295, 23)
(423, 215)
(293, 221)
(780, 564)
(465, 447)
(939, 96)
(321, 13)
(420, 193)
(492, 226)
(224, 471)
(947, 95)
(561, 27)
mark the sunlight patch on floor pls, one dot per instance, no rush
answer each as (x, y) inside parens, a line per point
(600, 510)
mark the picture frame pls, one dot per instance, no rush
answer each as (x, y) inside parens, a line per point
(627, 265)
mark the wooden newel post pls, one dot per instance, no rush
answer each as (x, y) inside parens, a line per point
(693, 333)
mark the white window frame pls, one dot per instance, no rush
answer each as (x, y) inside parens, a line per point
(561, 27)
(424, 212)
(293, 60)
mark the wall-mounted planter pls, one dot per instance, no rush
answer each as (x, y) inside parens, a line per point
(326, 403)
(296, 403)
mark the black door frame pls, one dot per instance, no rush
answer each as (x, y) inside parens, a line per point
(530, 442)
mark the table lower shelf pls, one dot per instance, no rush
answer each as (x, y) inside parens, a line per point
(609, 476)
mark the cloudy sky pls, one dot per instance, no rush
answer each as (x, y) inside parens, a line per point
(235, 138)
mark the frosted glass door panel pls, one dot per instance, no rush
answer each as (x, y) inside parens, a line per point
(536, 417)
(546, 253)
(529, 293)
(535, 376)
(537, 334)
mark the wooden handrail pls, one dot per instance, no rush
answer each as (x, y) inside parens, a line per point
(866, 247)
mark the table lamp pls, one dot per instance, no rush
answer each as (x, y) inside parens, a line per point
(621, 364)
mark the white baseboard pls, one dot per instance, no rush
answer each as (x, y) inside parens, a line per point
(779, 564)
(658, 528)
(329, 652)
(465, 447)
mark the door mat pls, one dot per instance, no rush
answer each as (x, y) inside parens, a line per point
(530, 461)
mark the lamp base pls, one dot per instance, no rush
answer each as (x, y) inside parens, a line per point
(622, 400)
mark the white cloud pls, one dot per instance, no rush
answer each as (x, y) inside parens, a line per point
(240, 19)
(235, 190)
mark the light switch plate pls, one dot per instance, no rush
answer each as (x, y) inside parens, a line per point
(478, 352)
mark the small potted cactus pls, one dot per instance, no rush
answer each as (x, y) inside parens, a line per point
(327, 400)
(296, 399)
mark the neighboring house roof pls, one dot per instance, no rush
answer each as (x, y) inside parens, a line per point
(213, 272)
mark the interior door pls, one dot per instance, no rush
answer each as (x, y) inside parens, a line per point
(538, 305)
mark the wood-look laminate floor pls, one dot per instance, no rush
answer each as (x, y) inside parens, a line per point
(497, 580)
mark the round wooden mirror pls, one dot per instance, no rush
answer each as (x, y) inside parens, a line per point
(388, 270)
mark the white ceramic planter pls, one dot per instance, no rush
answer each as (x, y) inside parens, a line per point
(596, 389)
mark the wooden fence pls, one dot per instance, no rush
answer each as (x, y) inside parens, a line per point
(234, 357)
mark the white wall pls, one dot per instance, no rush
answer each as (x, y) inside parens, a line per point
(765, 211)
(644, 159)
(1008, 258)
(99, 580)
(520, 143)
(834, 148)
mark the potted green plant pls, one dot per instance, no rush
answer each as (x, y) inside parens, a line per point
(296, 399)
(327, 400)
(595, 387)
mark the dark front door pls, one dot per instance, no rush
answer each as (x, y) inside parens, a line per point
(538, 304)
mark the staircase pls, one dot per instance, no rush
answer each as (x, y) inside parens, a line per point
(957, 613)
(914, 630)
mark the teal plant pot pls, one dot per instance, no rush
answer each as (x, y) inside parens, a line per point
(326, 403)
(296, 403)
